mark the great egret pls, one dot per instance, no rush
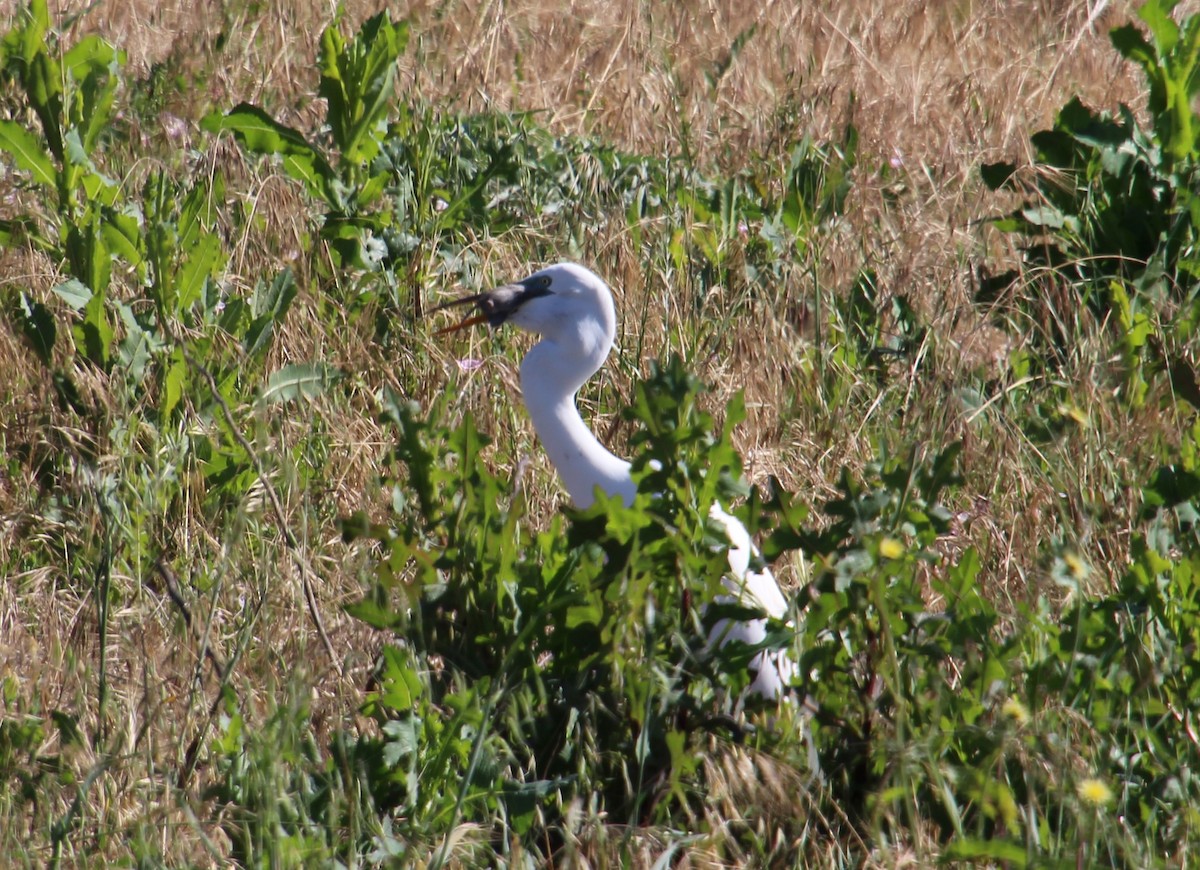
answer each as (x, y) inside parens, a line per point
(572, 309)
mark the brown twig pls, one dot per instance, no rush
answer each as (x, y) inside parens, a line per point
(306, 570)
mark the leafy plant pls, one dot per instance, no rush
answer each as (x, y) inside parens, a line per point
(71, 93)
(357, 83)
(578, 653)
(1111, 216)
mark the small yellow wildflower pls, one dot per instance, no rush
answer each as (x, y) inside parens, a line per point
(890, 548)
(1076, 567)
(1015, 710)
(1094, 791)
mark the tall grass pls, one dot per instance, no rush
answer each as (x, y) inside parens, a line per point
(288, 581)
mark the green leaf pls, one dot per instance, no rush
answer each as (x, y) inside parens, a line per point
(270, 304)
(357, 80)
(99, 188)
(43, 86)
(123, 236)
(401, 683)
(1157, 16)
(173, 383)
(301, 380)
(998, 850)
(87, 255)
(996, 175)
(96, 331)
(1132, 45)
(257, 131)
(202, 261)
(74, 292)
(373, 613)
(37, 326)
(90, 56)
(27, 152)
(37, 22)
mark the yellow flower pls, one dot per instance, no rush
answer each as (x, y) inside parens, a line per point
(1094, 791)
(890, 548)
(1015, 710)
(1076, 567)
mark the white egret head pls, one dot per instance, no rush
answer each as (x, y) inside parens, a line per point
(566, 304)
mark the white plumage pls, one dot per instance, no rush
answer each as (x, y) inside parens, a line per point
(572, 310)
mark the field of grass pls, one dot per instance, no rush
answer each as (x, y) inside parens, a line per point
(287, 580)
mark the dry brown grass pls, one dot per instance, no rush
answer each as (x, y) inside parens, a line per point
(940, 87)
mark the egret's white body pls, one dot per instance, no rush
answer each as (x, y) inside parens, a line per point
(572, 310)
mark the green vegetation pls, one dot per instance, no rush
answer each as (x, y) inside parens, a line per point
(281, 587)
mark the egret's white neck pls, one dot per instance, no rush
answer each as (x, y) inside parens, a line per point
(550, 378)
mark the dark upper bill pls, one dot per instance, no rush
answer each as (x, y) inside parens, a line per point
(495, 306)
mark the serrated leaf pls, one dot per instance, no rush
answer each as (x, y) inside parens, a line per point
(270, 304)
(1131, 44)
(372, 613)
(202, 261)
(96, 331)
(123, 236)
(403, 739)
(301, 380)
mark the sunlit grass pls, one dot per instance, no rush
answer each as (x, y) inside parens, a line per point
(181, 681)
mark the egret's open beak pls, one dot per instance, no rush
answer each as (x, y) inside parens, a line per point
(493, 306)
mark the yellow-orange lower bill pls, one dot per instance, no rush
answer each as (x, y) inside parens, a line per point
(463, 324)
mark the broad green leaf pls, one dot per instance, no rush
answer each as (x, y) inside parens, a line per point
(356, 82)
(138, 346)
(270, 304)
(37, 22)
(333, 87)
(123, 235)
(196, 214)
(1157, 16)
(259, 132)
(312, 172)
(1132, 45)
(74, 292)
(43, 86)
(401, 682)
(173, 382)
(96, 331)
(99, 188)
(301, 380)
(373, 614)
(89, 56)
(87, 255)
(27, 152)
(202, 261)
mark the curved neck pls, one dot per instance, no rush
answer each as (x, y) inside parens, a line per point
(549, 382)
